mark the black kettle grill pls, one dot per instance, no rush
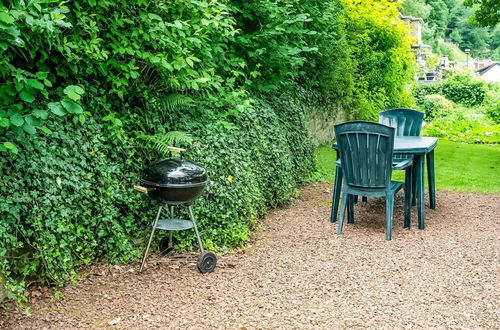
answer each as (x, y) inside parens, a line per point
(175, 182)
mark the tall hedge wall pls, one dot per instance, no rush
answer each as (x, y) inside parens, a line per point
(89, 89)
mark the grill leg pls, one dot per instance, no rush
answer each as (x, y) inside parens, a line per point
(170, 232)
(196, 229)
(150, 238)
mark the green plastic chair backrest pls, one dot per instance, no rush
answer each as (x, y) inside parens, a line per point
(366, 150)
(407, 122)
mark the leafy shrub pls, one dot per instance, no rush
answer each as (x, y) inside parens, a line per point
(464, 90)
(436, 106)
(382, 65)
(460, 87)
(494, 113)
(492, 102)
(65, 201)
(422, 90)
(68, 198)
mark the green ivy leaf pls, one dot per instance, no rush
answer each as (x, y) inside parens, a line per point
(46, 130)
(75, 89)
(11, 146)
(32, 121)
(56, 108)
(71, 106)
(19, 42)
(35, 84)
(154, 17)
(42, 75)
(74, 96)
(202, 80)
(27, 97)
(42, 114)
(6, 18)
(17, 120)
(4, 122)
(29, 129)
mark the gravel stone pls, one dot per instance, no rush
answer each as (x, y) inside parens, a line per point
(297, 273)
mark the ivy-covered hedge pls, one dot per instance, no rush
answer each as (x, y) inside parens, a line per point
(68, 199)
(89, 89)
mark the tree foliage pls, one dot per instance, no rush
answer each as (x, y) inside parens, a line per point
(487, 14)
(383, 61)
(453, 20)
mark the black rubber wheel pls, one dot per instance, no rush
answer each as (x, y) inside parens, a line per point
(164, 248)
(207, 262)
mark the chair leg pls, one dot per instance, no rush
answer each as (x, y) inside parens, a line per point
(337, 187)
(431, 179)
(408, 194)
(414, 186)
(389, 207)
(350, 208)
(343, 205)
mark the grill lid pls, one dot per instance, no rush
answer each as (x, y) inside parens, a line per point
(174, 172)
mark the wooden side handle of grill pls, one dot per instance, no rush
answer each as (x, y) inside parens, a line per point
(142, 189)
(175, 149)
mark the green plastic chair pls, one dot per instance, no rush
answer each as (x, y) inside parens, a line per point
(366, 154)
(407, 122)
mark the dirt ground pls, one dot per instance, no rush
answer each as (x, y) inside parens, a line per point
(298, 273)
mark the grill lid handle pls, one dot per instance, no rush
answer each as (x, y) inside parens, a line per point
(175, 149)
(142, 189)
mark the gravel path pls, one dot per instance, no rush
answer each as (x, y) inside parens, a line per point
(298, 274)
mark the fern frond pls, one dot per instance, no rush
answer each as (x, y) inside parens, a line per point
(174, 101)
(161, 142)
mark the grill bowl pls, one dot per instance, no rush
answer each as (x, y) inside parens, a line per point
(181, 194)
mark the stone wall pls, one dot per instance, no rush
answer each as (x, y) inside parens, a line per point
(320, 120)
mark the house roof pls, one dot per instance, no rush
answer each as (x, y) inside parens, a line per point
(486, 68)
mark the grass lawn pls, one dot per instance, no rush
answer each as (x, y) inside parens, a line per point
(460, 167)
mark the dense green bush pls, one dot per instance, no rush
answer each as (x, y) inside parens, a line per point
(68, 198)
(492, 102)
(383, 67)
(460, 87)
(494, 113)
(89, 88)
(436, 106)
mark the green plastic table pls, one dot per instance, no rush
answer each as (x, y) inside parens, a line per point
(421, 147)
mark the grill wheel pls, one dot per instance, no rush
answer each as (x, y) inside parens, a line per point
(207, 262)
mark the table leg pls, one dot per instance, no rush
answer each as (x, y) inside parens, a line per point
(414, 184)
(419, 159)
(431, 179)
